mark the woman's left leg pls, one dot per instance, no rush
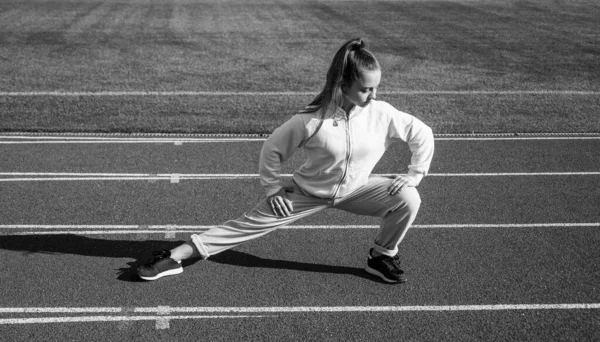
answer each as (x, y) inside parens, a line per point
(397, 211)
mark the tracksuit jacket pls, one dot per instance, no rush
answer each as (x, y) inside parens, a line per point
(342, 150)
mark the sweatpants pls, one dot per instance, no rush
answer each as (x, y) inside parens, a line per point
(397, 212)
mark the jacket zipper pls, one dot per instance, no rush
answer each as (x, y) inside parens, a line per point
(347, 160)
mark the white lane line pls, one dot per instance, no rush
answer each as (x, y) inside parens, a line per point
(504, 174)
(291, 93)
(164, 93)
(172, 227)
(62, 310)
(515, 138)
(493, 307)
(124, 141)
(162, 322)
(93, 174)
(126, 325)
(170, 231)
(21, 140)
(176, 178)
(162, 310)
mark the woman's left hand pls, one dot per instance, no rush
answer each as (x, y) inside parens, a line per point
(399, 182)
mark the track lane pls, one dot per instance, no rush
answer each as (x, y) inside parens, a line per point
(451, 156)
(563, 325)
(468, 266)
(290, 268)
(456, 200)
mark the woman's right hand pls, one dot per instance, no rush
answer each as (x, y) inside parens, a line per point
(280, 204)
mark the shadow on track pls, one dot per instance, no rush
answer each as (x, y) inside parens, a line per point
(140, 250)
(232, 257)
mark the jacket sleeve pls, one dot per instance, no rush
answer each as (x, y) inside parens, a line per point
(278, 148)
(419, 138)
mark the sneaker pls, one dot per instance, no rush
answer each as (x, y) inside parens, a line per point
(385, 267)
(161, 266)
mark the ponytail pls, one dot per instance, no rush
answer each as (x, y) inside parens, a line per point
(351, 59)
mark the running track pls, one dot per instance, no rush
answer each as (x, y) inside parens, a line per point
(504, 248)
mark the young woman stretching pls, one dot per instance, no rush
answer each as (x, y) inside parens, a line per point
(344, 133)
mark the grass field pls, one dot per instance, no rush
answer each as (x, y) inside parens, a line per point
(537, 62)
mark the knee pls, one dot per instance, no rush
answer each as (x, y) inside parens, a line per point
(409, 200)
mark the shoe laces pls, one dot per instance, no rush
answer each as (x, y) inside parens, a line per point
(396, 261)
(393, 264)
(159, 255)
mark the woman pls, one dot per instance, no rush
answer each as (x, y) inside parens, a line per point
(344, 133)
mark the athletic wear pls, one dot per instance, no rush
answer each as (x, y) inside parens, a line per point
(385, 267)
(162, 265)
(343, 150)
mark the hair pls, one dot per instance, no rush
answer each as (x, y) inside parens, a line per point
(348, 63)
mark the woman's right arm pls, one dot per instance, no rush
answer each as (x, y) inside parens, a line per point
(278, 148)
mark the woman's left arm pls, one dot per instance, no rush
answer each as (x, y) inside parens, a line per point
(419, 138)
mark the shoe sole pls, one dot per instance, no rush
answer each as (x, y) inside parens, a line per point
(382, 276)
(165, 273)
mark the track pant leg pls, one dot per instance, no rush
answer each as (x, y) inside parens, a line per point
(255, 223)
(398, 211)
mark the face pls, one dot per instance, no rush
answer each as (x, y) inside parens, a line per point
(362, 90)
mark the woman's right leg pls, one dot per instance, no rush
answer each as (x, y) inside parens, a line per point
(259, 221)
(184, 251)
